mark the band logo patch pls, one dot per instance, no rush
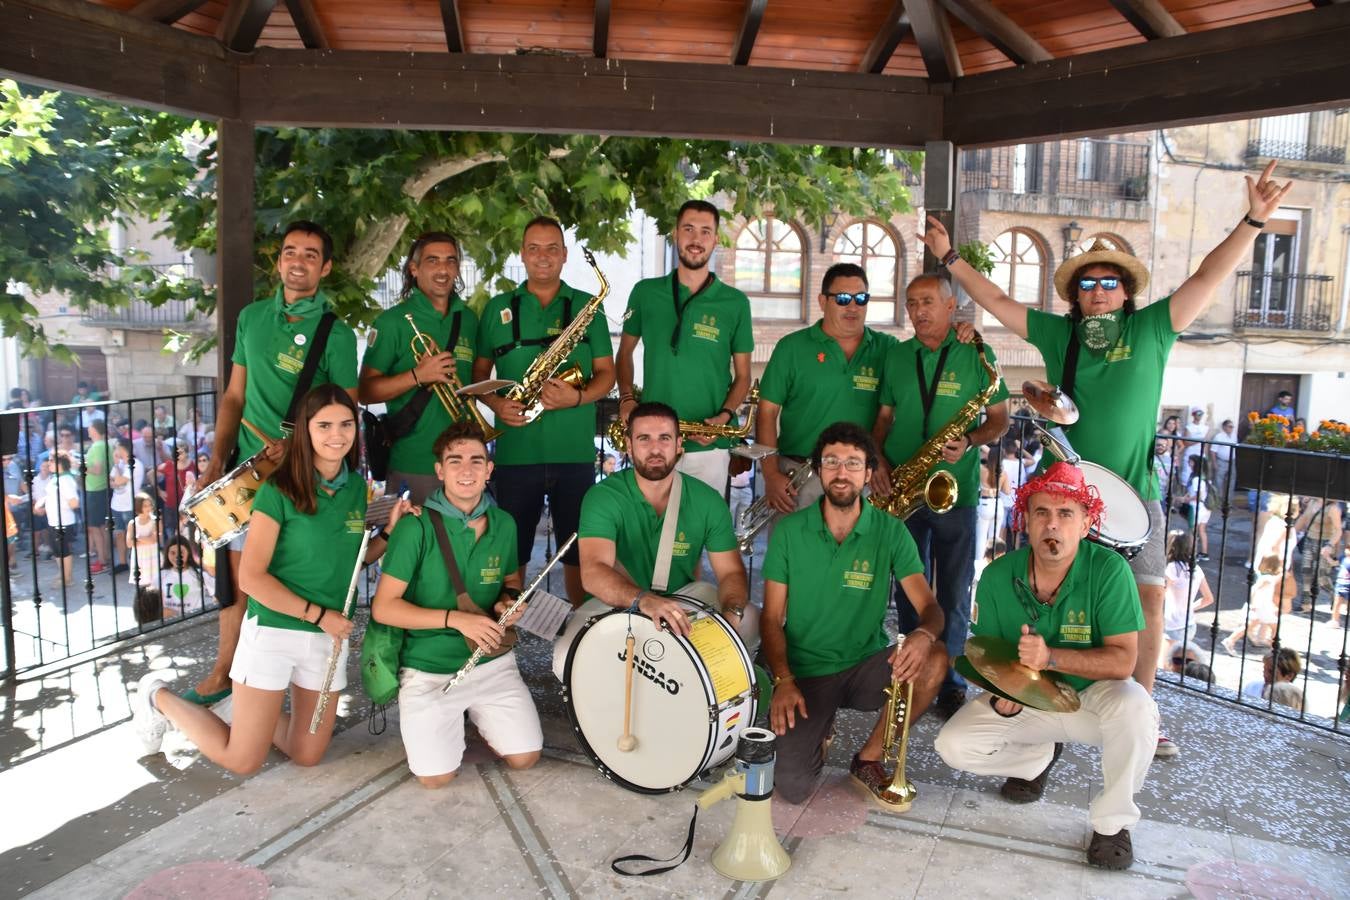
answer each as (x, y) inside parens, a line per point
(291, 360)
(506, 315)
(706, 329)
(680, 547)
(1075, 627)
(491, 573)
(865, 379)
(356, 523)
(371, 336)
(859, 577)
(948, 386)
(1118, 353)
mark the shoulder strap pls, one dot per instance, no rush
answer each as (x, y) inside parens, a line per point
(306, 379)
(462, 600)
(517, 341)
(1070, 375)
(665, 549)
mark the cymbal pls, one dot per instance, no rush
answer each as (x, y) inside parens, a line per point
(1049, 402)
(994, 663)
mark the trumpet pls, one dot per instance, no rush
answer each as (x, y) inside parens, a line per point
(757, 515)
(617, 432)
(899, 792)
(424, 345)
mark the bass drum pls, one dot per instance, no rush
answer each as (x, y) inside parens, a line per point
(1125, 526)
(691, 696)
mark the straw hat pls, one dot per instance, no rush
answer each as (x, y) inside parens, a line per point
(1099, 253)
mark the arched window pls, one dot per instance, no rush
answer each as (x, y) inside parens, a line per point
(1019, 267)
(872, 246)
(769, 266)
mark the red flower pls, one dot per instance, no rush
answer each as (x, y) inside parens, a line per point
(820, 357)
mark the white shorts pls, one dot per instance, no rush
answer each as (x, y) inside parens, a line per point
(432, 723)
(270, 659)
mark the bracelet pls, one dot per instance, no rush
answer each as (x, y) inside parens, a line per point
(731, 416)
(1255, 223)
(322, 611)
(1050, 661)
(447, 619)
(636, 600)
(738, 610)
(305, 615)
(925, 633)
(949, 257)
(417, 381)
(579, 396)
(780, 679)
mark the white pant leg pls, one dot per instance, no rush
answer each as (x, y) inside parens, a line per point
(1122, 719)
(979, 740)
(708, 466)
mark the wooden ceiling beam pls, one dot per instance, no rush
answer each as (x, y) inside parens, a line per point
(1150, 18)
(166, 11)
(600, 41)
(79, 46)
(308, 24)
(551, 94)
(986, 20)
(454, 26)
(243, 23)
(933, 33)
(745, 39)
(1294, 61)
(894, 29)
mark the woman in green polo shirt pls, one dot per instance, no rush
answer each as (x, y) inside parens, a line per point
(306, 529)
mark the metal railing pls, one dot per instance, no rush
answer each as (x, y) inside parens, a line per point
(137, 314)
(1321, 136)
(1262, 560)
(388, 285)
(1285, 301)
(1090, 168)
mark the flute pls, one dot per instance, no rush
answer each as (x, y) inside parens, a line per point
(337, 643)
(465, 669)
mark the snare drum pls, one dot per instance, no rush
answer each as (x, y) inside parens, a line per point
(1125, 526)
(221, 510)
(691, 696)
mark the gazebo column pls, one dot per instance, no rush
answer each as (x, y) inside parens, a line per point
(234, 234)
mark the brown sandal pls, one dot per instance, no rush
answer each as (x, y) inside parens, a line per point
(1020, 790)
(1111, 851)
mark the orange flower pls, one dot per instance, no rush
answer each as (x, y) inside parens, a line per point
(1253, 416)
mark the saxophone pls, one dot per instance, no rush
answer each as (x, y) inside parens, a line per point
(911, 486)
(898, 792)
(549, 364)
(617, 432)
(759, 514)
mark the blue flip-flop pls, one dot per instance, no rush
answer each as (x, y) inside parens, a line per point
(208, 700)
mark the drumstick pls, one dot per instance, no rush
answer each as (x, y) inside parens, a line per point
(258, 432)
(628, 743)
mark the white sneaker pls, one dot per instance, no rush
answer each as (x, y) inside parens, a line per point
(149, 721)
(1166, 748)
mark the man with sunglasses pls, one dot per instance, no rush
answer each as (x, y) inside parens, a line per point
(697, 341)
(942, 374)
(827, 589)
(828, 372)
(392, 374)
(1070, 607)
(1109, 356)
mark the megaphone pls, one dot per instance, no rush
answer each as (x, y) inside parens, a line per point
(751, 851)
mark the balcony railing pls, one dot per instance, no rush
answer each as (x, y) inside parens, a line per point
(140, 315)
(1285, 302)
(1315, 137)
(1091, 168)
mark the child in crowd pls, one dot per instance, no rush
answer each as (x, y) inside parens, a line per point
(182, 581)
(1271, 594)
(1279, 667)
(1186, 591)
(143, 543)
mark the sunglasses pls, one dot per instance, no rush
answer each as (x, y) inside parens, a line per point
(844, 298)
(1109, 283)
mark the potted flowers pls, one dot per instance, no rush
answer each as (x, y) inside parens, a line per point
(1285, 458)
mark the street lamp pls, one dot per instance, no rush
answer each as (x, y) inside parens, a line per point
(1073, 232)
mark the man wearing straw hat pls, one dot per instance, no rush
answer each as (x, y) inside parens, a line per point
(1109, 355)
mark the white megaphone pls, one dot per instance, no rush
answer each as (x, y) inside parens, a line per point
(751, 851)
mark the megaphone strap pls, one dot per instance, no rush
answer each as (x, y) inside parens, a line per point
(675, 861)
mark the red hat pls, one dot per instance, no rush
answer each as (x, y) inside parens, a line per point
(1066, 480)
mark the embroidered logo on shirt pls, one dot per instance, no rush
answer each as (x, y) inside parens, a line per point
(680, 547)
(1075, 627)
(491, 573)
(706, 329)
(356, 524)
(866, 379)
(291, 360)
(1118, 353)
(628, 313)
(949, 386)
(860, 576)
(506, 315)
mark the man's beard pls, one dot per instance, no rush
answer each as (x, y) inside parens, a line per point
(654, 471)
(691, 263)
(847, 501)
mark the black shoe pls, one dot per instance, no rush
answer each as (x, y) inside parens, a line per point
(948, 702)
(121, 567)
(1020, 790)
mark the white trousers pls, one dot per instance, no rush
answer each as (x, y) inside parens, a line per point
(708, 466)
(1118, 716)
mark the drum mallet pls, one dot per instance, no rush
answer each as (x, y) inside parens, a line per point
(628, 743)
(751, 851)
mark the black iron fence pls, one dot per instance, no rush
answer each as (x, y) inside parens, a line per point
(1285, 301)
(1090, 168)
(1320, 136)
(1259, 569)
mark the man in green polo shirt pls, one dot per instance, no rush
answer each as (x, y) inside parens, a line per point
(829, 372)
(696, 338)
(928, 380)
(392, 374)
(553, 456)
(96, 496)
(827, 589)
(1109, 357)
(1069, 607)
(272, 339)
(416, 593)
(622, 521)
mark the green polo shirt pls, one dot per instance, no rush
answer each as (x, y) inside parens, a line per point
(97, 456)
(695, 376)
(273, 351)
(314, 555)
(415, 557)
(1117, 392)
(389, 351)
(559, 435)
(809, 377)
(961, 379)
(615, 510)
(1097, 600)
(838, 593)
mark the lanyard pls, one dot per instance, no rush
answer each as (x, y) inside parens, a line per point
(679, 311)
(928, 391)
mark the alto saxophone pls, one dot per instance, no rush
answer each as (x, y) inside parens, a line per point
(898, 792)
(549, 364)
(617, 432)
(911, 485)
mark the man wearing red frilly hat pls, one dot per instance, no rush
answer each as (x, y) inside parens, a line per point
(1071, 607)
